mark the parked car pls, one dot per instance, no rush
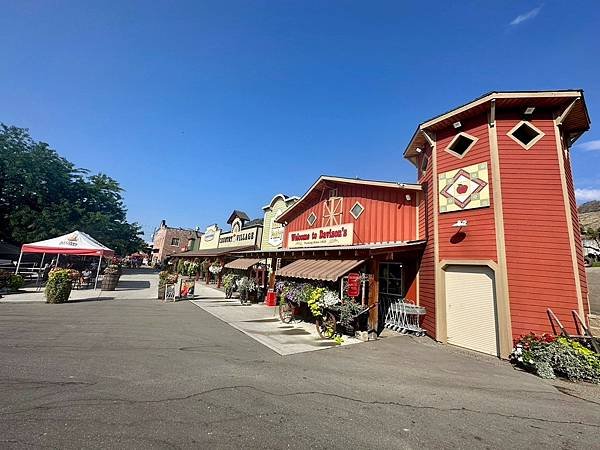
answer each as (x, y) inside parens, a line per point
(591, 252)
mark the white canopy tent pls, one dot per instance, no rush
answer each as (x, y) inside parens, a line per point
(75, 243)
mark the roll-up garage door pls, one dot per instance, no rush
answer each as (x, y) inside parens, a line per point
(471, 308)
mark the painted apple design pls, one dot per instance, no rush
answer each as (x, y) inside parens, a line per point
(462, 188)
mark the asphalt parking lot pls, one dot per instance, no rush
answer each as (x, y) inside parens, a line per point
(137, 373)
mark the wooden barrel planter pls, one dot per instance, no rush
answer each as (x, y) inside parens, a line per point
(109, 282)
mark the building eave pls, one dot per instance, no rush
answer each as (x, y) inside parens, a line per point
(436, 121)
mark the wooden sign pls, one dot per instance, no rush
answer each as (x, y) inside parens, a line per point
(322, 237)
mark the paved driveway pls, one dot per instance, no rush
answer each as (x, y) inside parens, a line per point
(137, 373)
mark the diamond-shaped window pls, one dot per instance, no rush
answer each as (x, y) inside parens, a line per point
(357, 210)
(525, 134)
(461, 144)
(311, 219)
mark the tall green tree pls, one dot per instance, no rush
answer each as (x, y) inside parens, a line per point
(43, 195)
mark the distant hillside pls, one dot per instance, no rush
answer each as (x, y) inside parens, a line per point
(589, 214)
(593, 206)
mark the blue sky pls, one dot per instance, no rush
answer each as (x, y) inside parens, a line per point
(198, 108)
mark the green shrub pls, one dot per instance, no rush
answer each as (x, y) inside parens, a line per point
(547, 357)
(58, 287)
(229, 280)
(15, 282)
(5, 277)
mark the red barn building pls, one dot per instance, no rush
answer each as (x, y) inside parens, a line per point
(487, 240)
(499, 166)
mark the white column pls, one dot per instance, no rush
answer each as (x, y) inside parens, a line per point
(98, 272)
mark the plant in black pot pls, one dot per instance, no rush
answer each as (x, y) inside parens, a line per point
(58, 287)
(165, 277)
(111, 278)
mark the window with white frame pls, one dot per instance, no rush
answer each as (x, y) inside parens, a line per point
(525, 134)
(461, 144)
(311, 219)
(357, 210)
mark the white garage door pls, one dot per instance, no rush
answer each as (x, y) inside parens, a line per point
(471, 308)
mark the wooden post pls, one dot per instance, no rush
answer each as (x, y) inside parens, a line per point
(272, 274)
(373, 298)
(219, 274)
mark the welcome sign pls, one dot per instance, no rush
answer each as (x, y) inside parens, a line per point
(335, 235)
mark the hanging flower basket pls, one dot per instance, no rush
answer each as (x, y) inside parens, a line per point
(215, 268)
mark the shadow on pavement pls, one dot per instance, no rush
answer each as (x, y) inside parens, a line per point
(92, 299)
(139, 271)
(132, 285)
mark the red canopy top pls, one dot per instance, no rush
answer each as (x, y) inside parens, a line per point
(75, 243)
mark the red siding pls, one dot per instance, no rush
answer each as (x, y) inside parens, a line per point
(427, 267)
(577, 233)
(480, 240)
(388, 216)
(540, 271)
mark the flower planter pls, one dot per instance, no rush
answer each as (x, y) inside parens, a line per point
(110, 281)
(161, 292)
(58, 287)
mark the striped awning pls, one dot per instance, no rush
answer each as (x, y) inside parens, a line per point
(242, 263)
(319, 269)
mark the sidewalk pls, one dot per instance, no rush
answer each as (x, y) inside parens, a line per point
(262, 323)
(132, 285)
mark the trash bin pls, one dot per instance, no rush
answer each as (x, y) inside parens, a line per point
(271, 299)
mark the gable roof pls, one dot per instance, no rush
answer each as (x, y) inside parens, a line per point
(237, 213)
(285, 198)
(253, 223)
(578, 121)
(324, 179)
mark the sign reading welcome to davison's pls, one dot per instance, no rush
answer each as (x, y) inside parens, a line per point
(322, 237)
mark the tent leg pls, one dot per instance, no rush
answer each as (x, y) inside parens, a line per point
(98, 273)
(19, 263)
(40, 273)
(57, 258)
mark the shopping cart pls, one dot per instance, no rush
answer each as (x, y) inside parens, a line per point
(401, 315)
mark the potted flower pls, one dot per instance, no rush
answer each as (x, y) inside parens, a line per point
(165, 277)
(192, 269)
(162, 281)
(59, 285)
(245, 286)
(229, 284)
